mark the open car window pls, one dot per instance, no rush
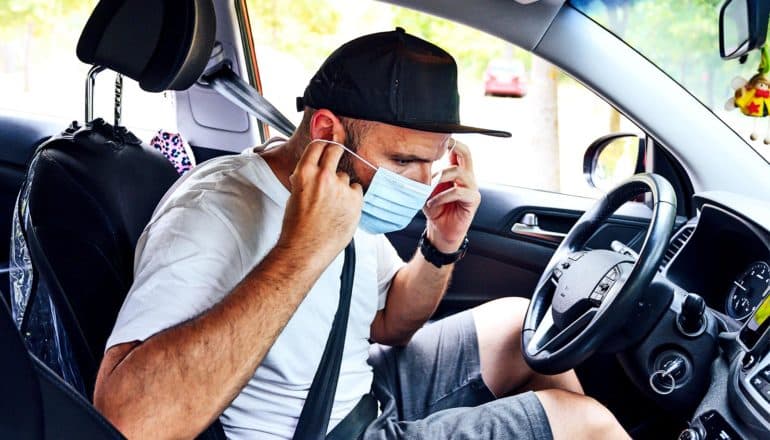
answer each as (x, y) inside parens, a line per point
(552, 117)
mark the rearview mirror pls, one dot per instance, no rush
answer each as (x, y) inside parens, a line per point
(612, 159)
(742, 27)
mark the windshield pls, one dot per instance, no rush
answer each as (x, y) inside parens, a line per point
(682, 39)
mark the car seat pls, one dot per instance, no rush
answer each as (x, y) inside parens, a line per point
(88, 194)
(35, 403)
(90, 191)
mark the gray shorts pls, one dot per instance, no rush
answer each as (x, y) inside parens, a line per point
(432, 389)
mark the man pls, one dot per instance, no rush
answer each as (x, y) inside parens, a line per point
(237, 278)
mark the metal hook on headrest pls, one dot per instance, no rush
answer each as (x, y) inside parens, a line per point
(118, 99)
(90, 82)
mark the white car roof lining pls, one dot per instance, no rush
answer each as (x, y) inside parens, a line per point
(521, 24)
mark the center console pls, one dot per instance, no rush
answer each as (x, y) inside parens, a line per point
(743, 376)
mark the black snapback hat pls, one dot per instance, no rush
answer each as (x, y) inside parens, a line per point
(394, 78)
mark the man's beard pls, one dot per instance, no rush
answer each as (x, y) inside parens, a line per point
(346, 165)
(346, 161)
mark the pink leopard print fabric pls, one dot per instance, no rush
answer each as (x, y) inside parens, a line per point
(175, 149)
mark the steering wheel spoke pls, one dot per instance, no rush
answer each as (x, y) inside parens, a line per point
(548, 337)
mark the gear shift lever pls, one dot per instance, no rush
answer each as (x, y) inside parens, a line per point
(691, 320)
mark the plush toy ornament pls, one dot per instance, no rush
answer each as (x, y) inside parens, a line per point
(753, 96)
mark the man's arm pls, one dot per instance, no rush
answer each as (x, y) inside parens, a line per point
(178, 381)
(414, 294)
(418, 287)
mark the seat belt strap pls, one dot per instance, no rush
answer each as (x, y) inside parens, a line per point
(314, 418)
(225, 82)
(358, 419)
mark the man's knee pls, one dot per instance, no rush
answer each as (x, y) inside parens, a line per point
(506, 312)
(498, 327)
(574, 416)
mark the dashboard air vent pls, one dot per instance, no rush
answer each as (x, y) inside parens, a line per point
(679, 240)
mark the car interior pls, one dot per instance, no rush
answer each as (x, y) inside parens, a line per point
(656, 293)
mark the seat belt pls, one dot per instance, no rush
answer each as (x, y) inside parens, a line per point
(314, 418)
(225, 82)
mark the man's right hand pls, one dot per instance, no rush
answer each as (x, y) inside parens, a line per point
(324, 208)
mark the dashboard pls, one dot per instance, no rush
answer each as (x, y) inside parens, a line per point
(723, 255)
(724, 258)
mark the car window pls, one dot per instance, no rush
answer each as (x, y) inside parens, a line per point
(649, 26)
(41, 75)
(552, 117)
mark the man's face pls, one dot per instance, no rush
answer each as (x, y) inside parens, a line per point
(410, 153)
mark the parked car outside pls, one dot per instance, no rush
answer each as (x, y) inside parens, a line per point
(505, 77)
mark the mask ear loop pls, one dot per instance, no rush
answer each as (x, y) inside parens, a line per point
(346, 149)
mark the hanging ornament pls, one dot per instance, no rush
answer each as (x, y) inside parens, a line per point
(752, 97)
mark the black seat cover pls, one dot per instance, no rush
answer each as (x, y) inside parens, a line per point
(35, 403)
(91, 192)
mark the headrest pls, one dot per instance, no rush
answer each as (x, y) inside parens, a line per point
(164, 45)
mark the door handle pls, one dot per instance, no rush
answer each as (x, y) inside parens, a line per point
(529, 227)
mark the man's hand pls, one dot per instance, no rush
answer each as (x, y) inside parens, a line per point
(454, 202)
(418, 287)
(324, 208)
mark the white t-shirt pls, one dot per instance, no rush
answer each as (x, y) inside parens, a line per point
(208, 232)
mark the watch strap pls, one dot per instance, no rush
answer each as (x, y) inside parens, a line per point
(438, 258)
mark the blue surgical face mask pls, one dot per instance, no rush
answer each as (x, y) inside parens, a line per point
(391, 201)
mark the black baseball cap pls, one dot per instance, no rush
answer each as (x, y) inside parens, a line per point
(394, 78)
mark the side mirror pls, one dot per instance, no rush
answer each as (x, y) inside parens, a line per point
(742, 27)
(613, 158)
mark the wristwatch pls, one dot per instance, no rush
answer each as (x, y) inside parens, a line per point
(435, 256)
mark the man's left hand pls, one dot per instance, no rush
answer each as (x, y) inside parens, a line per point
(454, 202)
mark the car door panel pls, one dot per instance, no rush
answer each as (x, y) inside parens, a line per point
(499, 262)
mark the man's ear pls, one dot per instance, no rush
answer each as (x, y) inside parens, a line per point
(326, 125)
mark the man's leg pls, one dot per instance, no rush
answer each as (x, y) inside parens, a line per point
(433, 388)
(503, 369)
(575, 417)
(498, 328)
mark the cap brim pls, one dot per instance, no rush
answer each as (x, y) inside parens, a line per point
(451, 128)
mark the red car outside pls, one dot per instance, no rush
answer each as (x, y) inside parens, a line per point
(505, 77)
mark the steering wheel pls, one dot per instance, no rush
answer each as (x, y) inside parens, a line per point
(584, 296)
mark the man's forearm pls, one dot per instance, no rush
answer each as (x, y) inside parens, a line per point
(177, 381)
(414, 295)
